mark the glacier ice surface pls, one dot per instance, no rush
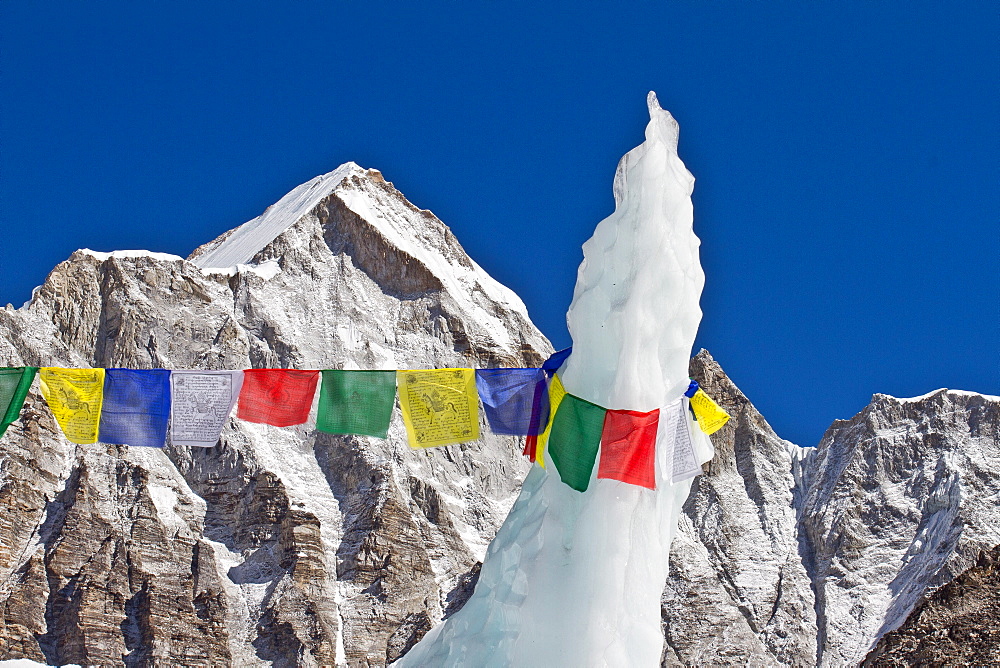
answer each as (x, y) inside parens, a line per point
(575, 579)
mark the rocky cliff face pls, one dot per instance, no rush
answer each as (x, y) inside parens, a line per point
(958, 624)
(278, 546)
(292, 547)
(800, 556)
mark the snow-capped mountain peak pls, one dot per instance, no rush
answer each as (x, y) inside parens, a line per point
(239, 245)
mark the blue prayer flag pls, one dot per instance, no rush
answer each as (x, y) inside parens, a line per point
(692, 388)
(136, 407)
(515, 400)
(556, 359)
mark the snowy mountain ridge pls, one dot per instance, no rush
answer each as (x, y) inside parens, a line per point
(806, 556)
(294, 547)
(239, 245)
(278, 546)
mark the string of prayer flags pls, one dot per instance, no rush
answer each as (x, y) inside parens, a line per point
(628, 447)
(201, 402)
(279, 397)
(509, 397)
(356, 402)
(711, 417)
(439, 406)
(676, 457)
(575, 439)
(556, 394)
(136, 407)
(74, 396)
(14, 385)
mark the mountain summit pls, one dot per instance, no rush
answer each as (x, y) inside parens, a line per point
(278, 546)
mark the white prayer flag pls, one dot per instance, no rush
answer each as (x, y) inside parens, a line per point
(675, 456)
(201, 403)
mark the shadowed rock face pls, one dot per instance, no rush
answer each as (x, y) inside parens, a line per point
(291, 547)
(278, 546)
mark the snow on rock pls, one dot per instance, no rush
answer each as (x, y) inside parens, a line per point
(400, 246)
(807, 556)
(238, 246)
(266, 270)
(935, 392)
(574, 579)
(163, 257)
(278, 546)
(294, 547)
(898, 500)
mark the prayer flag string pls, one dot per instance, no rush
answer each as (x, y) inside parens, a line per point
(438, 407)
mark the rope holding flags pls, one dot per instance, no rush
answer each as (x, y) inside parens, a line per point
(438, 406)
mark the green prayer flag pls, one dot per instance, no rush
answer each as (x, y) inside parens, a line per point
(575, 438)
(356, 402)
(14, 385)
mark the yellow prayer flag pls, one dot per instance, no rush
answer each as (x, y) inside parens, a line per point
(440, 406)
(711, 417)
(556, 394)
(75, 397)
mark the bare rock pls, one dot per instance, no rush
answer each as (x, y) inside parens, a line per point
(956, 624)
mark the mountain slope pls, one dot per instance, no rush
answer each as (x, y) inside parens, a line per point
(286, 546)
(804, 556)
(959, 623)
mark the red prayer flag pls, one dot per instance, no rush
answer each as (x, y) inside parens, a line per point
(280, 397)
(530, 444)
(628, 447)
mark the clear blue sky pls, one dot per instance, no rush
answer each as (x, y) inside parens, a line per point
(846, 156)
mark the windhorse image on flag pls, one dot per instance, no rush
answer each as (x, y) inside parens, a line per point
(439, 406)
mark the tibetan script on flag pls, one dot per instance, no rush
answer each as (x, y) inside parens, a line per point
(711, 418)
(440, 406)
(201, 402)
(675, 454)
(75, 397)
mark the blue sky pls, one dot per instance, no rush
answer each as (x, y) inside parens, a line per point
(846, 156)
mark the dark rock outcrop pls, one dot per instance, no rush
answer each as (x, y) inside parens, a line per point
(958, 624)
